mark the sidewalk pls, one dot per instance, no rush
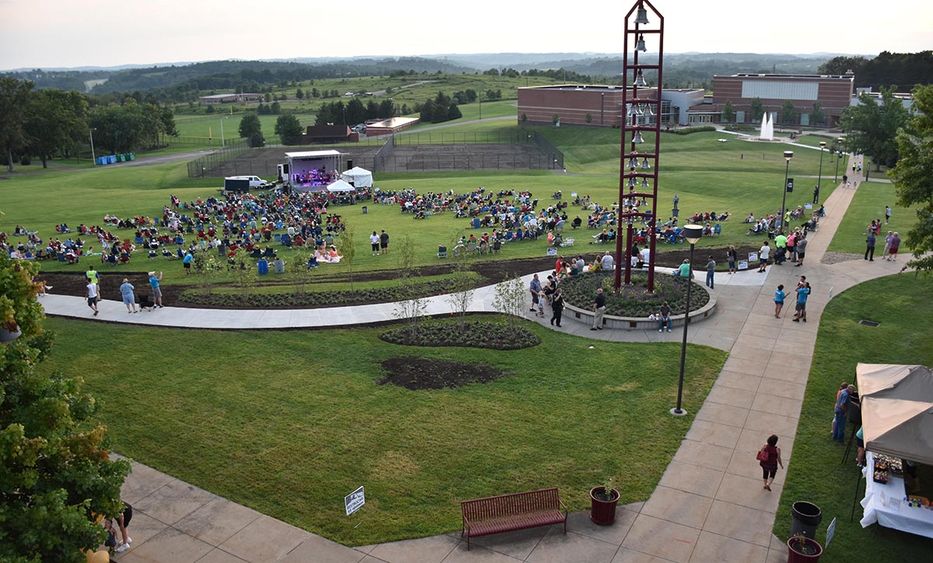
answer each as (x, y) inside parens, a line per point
(709, 504)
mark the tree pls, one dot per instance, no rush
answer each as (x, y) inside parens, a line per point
(356, 112)
(913, 176)
(300, 94)
(510, 299)
(817, 116)
(54, 464)
(462, 289)
(788, 113)
(728, 113)
(288, 128)
(275, 108)
(413, 306)
(251, 129)
(55, 121)
(427, 111)
(757, 108)
(872, 128)
(14, 97)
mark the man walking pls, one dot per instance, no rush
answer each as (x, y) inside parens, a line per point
(557, 307)
(599, 308)
(384, 242)
(536, 305)
(763, 253)
(887, 214)
(801, 248)
(710, 271)
(92, 297)
(870, 246)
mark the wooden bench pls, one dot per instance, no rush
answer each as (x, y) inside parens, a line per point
(507, 513)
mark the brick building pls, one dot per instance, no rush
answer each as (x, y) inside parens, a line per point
(803, 91)
(597, 106)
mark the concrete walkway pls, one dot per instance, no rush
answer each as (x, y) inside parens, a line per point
(709, 505)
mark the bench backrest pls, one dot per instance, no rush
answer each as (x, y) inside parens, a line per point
(509, 505)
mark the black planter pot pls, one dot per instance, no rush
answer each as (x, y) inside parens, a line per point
(603, 512)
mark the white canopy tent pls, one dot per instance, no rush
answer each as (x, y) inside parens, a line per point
(897, 410)
(360, 177)
(340, 187)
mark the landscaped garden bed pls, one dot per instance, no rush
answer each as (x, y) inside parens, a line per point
(472, 334)
(425, 373)
(633, 300)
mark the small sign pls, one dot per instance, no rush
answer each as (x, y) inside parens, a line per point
(551, 251)
(752, 257)
(743, 265)
(790, 185)
(354, 501)
(830, 532)
(808, 206)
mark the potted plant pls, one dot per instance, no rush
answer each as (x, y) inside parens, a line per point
(603, 500)
(802, 549)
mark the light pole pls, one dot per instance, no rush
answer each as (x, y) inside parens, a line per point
(787, 156)
(93, 156)
(819, 181)
(222, 143)
(838, 152)
(692, 233)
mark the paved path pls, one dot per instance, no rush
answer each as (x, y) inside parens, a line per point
(709, 504)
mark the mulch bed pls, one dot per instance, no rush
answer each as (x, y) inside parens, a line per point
(494, 271)
(423, 373)
(633, 300)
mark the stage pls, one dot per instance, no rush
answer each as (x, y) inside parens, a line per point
(312, 171)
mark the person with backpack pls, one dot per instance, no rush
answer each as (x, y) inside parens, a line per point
(769, 457)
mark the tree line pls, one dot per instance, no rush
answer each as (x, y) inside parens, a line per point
(902, 71)
(55, 123)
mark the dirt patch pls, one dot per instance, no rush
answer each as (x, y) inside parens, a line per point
(423, 373)
(837, 257)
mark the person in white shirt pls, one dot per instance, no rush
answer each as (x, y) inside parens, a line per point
(763, 254)
(92, 297)
(607, 263)
(374, 242)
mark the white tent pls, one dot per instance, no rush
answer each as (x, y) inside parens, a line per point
(341, 187)
(897, 410)
(360, 177)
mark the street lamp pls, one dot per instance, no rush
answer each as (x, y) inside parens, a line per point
(692, 233)
(819, 181)
(222, 143)
(93, 156)
(838, 152)
(787, 156)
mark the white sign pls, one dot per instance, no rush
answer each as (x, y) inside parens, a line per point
(743, 265)
(752, 257)
(830, 532)
(354, 501)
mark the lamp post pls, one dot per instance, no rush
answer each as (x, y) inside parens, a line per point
(93, 156)
(819, 181)
(692, 233)
(838, 152)
(222, 142)
(787, 156)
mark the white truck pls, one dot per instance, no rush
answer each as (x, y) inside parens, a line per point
(243, 183)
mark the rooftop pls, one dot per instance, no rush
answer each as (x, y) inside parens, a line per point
(311, 154)
(788, 76)
(394, 122)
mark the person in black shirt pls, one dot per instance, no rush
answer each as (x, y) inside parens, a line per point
(599, 308)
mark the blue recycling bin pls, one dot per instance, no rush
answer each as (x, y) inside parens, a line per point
(112, 159)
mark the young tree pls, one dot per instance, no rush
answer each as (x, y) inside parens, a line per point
(758, 109)
(244, 270)
(54, 464)
(251, 129)
(412, 307)
(510, 299)
(728, 112)
(788, 113)
(872, 128)
(913, 176)
(288, 128)
(462, 288)
(14, 97)
(300, 94)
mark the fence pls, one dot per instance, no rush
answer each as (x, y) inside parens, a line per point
(516, 150)
(209, 165)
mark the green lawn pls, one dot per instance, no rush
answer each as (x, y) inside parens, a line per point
(288, 422)
(707, 175)
(868, 204)
(901, 303)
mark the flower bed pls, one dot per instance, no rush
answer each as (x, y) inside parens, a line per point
(314, 299)
(425, 373)
(634, 300)
(473, 334)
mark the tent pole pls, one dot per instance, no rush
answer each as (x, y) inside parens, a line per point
(858, 482)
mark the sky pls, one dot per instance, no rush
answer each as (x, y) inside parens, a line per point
(71, 33)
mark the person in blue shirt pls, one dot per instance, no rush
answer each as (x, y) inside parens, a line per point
(156, 290)
(186, 262)
(842, 403)
(779, 296)
(803, 292)
(129, 298)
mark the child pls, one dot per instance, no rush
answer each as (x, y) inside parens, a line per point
(779, 301)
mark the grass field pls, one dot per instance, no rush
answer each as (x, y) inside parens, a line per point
(815, 473)
(707, 175)
(290, 422)
(868, 204)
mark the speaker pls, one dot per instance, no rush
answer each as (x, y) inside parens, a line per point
(349, 164)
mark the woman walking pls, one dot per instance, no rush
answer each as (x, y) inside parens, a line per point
(779, 296)
(732, 257)
(769, 457)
